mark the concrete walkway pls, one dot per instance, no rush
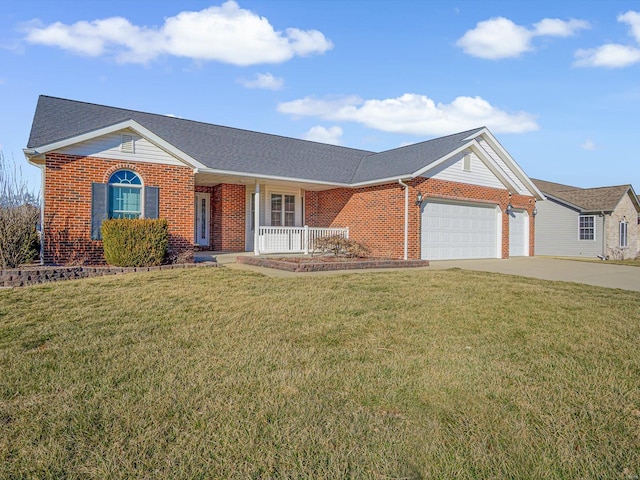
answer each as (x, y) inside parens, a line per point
(598, 274)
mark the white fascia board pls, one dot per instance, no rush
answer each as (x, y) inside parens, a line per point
(368, 183)
(268, 177)
(34, 157)
(509, 160)
(128, 124)
(382, 181)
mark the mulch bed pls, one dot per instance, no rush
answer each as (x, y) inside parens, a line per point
(320, 264)
(32, 275)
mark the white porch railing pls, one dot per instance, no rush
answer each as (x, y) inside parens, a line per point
(294, 239)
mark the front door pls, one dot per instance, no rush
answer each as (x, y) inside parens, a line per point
(201, 222)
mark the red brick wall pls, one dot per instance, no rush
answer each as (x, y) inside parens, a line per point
(228, 218)
(375, 215)
(67, 201)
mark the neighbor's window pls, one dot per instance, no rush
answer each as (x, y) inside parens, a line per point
(623, 234)
(283, 210)
(587, 227)
(125, 195)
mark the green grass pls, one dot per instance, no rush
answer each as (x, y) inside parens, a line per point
(632, 262)
(215, 373)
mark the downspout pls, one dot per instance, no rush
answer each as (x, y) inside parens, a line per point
(406, 217)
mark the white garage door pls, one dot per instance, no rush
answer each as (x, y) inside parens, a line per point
(454, 231)
(518, 234)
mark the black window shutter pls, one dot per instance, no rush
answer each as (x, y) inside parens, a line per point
(151, 202)
(99, 207)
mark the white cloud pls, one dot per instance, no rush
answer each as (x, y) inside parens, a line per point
(227, 34)
(588, 145)
(613, 55)
(264, 81)
(610, 55)
(632, 19)
(555, 27)
(413, 114)
(321, 134)
(499, 37)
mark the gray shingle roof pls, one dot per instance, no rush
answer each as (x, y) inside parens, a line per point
(406, 160)
(242, 151)
(599, 199)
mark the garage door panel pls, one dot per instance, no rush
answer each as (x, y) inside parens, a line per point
(518, 234)
(452, 231)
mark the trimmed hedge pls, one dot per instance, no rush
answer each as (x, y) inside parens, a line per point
(135, 242)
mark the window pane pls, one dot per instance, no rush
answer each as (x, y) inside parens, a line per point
(276, 210)
(124, 202)
(623, 234)
(587, 227)
(126, 177)
(289, 203)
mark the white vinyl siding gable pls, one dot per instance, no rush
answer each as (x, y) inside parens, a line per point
(477, 174)
(115, 146)
(522, 190)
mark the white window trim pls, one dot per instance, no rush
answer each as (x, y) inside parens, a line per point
(623, 224)
(296, 192)
(580, 228)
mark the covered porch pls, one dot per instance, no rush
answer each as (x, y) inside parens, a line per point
(237, 214)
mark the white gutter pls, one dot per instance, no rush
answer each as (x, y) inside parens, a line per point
(406, 217)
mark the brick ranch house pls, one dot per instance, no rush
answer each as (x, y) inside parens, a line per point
(233, 190)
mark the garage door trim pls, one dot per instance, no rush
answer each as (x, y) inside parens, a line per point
(473, 232)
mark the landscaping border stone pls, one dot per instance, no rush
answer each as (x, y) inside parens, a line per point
(20, 277)
(291, 265)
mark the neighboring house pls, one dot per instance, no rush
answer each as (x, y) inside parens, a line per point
(234, 190)
(587, 222)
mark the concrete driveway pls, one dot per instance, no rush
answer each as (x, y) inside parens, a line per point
(598, 274)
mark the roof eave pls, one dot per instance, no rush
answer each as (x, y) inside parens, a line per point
(127, 124)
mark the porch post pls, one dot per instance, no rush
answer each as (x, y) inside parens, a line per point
(256, 232)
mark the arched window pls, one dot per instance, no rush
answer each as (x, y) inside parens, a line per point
(125, 195)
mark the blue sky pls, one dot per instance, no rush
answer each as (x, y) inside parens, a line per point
(556, 82)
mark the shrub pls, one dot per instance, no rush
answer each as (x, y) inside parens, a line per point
(19, 239)
(19, 215)
(135, 242)
(340, 247)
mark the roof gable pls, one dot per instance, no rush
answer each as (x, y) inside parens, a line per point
(598, 199)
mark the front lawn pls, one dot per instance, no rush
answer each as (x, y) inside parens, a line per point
(216, 373)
